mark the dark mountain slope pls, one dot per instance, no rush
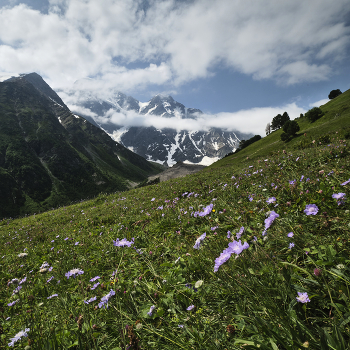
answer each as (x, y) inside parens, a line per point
(49, 157)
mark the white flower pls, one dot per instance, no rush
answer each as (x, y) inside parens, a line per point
(22, 255)
(340, 266)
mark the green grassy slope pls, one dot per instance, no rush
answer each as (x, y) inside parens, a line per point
(168, 285)
(336, 118)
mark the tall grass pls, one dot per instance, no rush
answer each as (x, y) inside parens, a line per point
(123, 271)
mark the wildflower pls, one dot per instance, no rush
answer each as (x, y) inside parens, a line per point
(345, 183)
(149, 313)
(104, 300)
(207, 210)
(180, 326)
(123, 242)
(199, 241)
(90, 300)
(50, 279)
(44, 265)
(268, 222)
(190, 307)
(290, 234)
(303, 298)
(152, 199)
(317, 271)
(340, 197)
(74, 272)
(52, 296)
(311, 209)
(94, 279)
(95, 285)
(291, 245)
(22, 255)
(271, 200)
(13, 303)
(239, 234)
(177, 260)
(18, 336)
(340, 266)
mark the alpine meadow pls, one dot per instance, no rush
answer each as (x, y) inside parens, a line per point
(251, 252)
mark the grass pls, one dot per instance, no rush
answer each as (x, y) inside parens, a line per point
(249, 303)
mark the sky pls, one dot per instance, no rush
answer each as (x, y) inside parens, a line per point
(240, 61)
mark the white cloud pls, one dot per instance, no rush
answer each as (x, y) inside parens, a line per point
(290, 41)
(258, 119)
(319, 103)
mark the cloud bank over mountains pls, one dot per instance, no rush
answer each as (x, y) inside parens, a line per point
(172, 41)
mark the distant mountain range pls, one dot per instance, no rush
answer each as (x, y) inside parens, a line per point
(50, 157)
(166, 146)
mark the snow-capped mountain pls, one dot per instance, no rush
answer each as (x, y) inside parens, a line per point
(164, 145)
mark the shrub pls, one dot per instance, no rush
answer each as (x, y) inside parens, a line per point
(334, 94)
(314, 113)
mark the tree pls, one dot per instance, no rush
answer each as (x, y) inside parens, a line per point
(334, 94)
(291, 127)
(314, 113)
(268, 129)
(279, 121)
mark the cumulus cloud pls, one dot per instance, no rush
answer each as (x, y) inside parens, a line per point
(319, 103)
(258, 119)
(173, 42)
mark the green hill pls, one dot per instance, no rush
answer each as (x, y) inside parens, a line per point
(250, 253)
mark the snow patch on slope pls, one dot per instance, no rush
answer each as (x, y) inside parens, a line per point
(117, 134)
(205, 161)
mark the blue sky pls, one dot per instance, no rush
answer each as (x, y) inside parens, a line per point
(242, 61)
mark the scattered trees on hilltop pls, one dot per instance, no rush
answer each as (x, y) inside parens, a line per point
(334, 94)
(268, 129)
(279, 121)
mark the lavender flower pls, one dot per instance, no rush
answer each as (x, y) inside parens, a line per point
(303, 298)
(291, 245)
(233, 247)
(239, 234)
(268, 222)
(149, 313)
(50, 279)
(190, 308)
(74, 272)
(123, 242)
(207, 210)
(345, 183)
(340, 197)
(199, 241)
(90, 300)
(94, 279)
(311, 209)
(13, 303)
(271, 200)
(18, 336)
(228, 234)
(290, 234)
(104, 300)
(95, 285)
(52, 296)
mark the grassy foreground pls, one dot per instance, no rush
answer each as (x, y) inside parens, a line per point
(134, 270)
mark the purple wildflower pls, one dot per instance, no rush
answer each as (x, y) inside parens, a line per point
(271, 200)
(18, 336)
(311, 209)
(291, 245)
(303, 298)
(190, 307)
(90, 300)
(207, 210)
(268, 222)
(76, 243)
(149, 313)
(52, 296)
(233, 247)
(229, 234)
(95, 278)
(104, 300)
(317, 272)
(123, 242)
(13, 303)
(199, 241)
(239, 234)
(345, 183)
(95, 285)
(74, 272)
(50, 279)
(290, 234)
(340, 197)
